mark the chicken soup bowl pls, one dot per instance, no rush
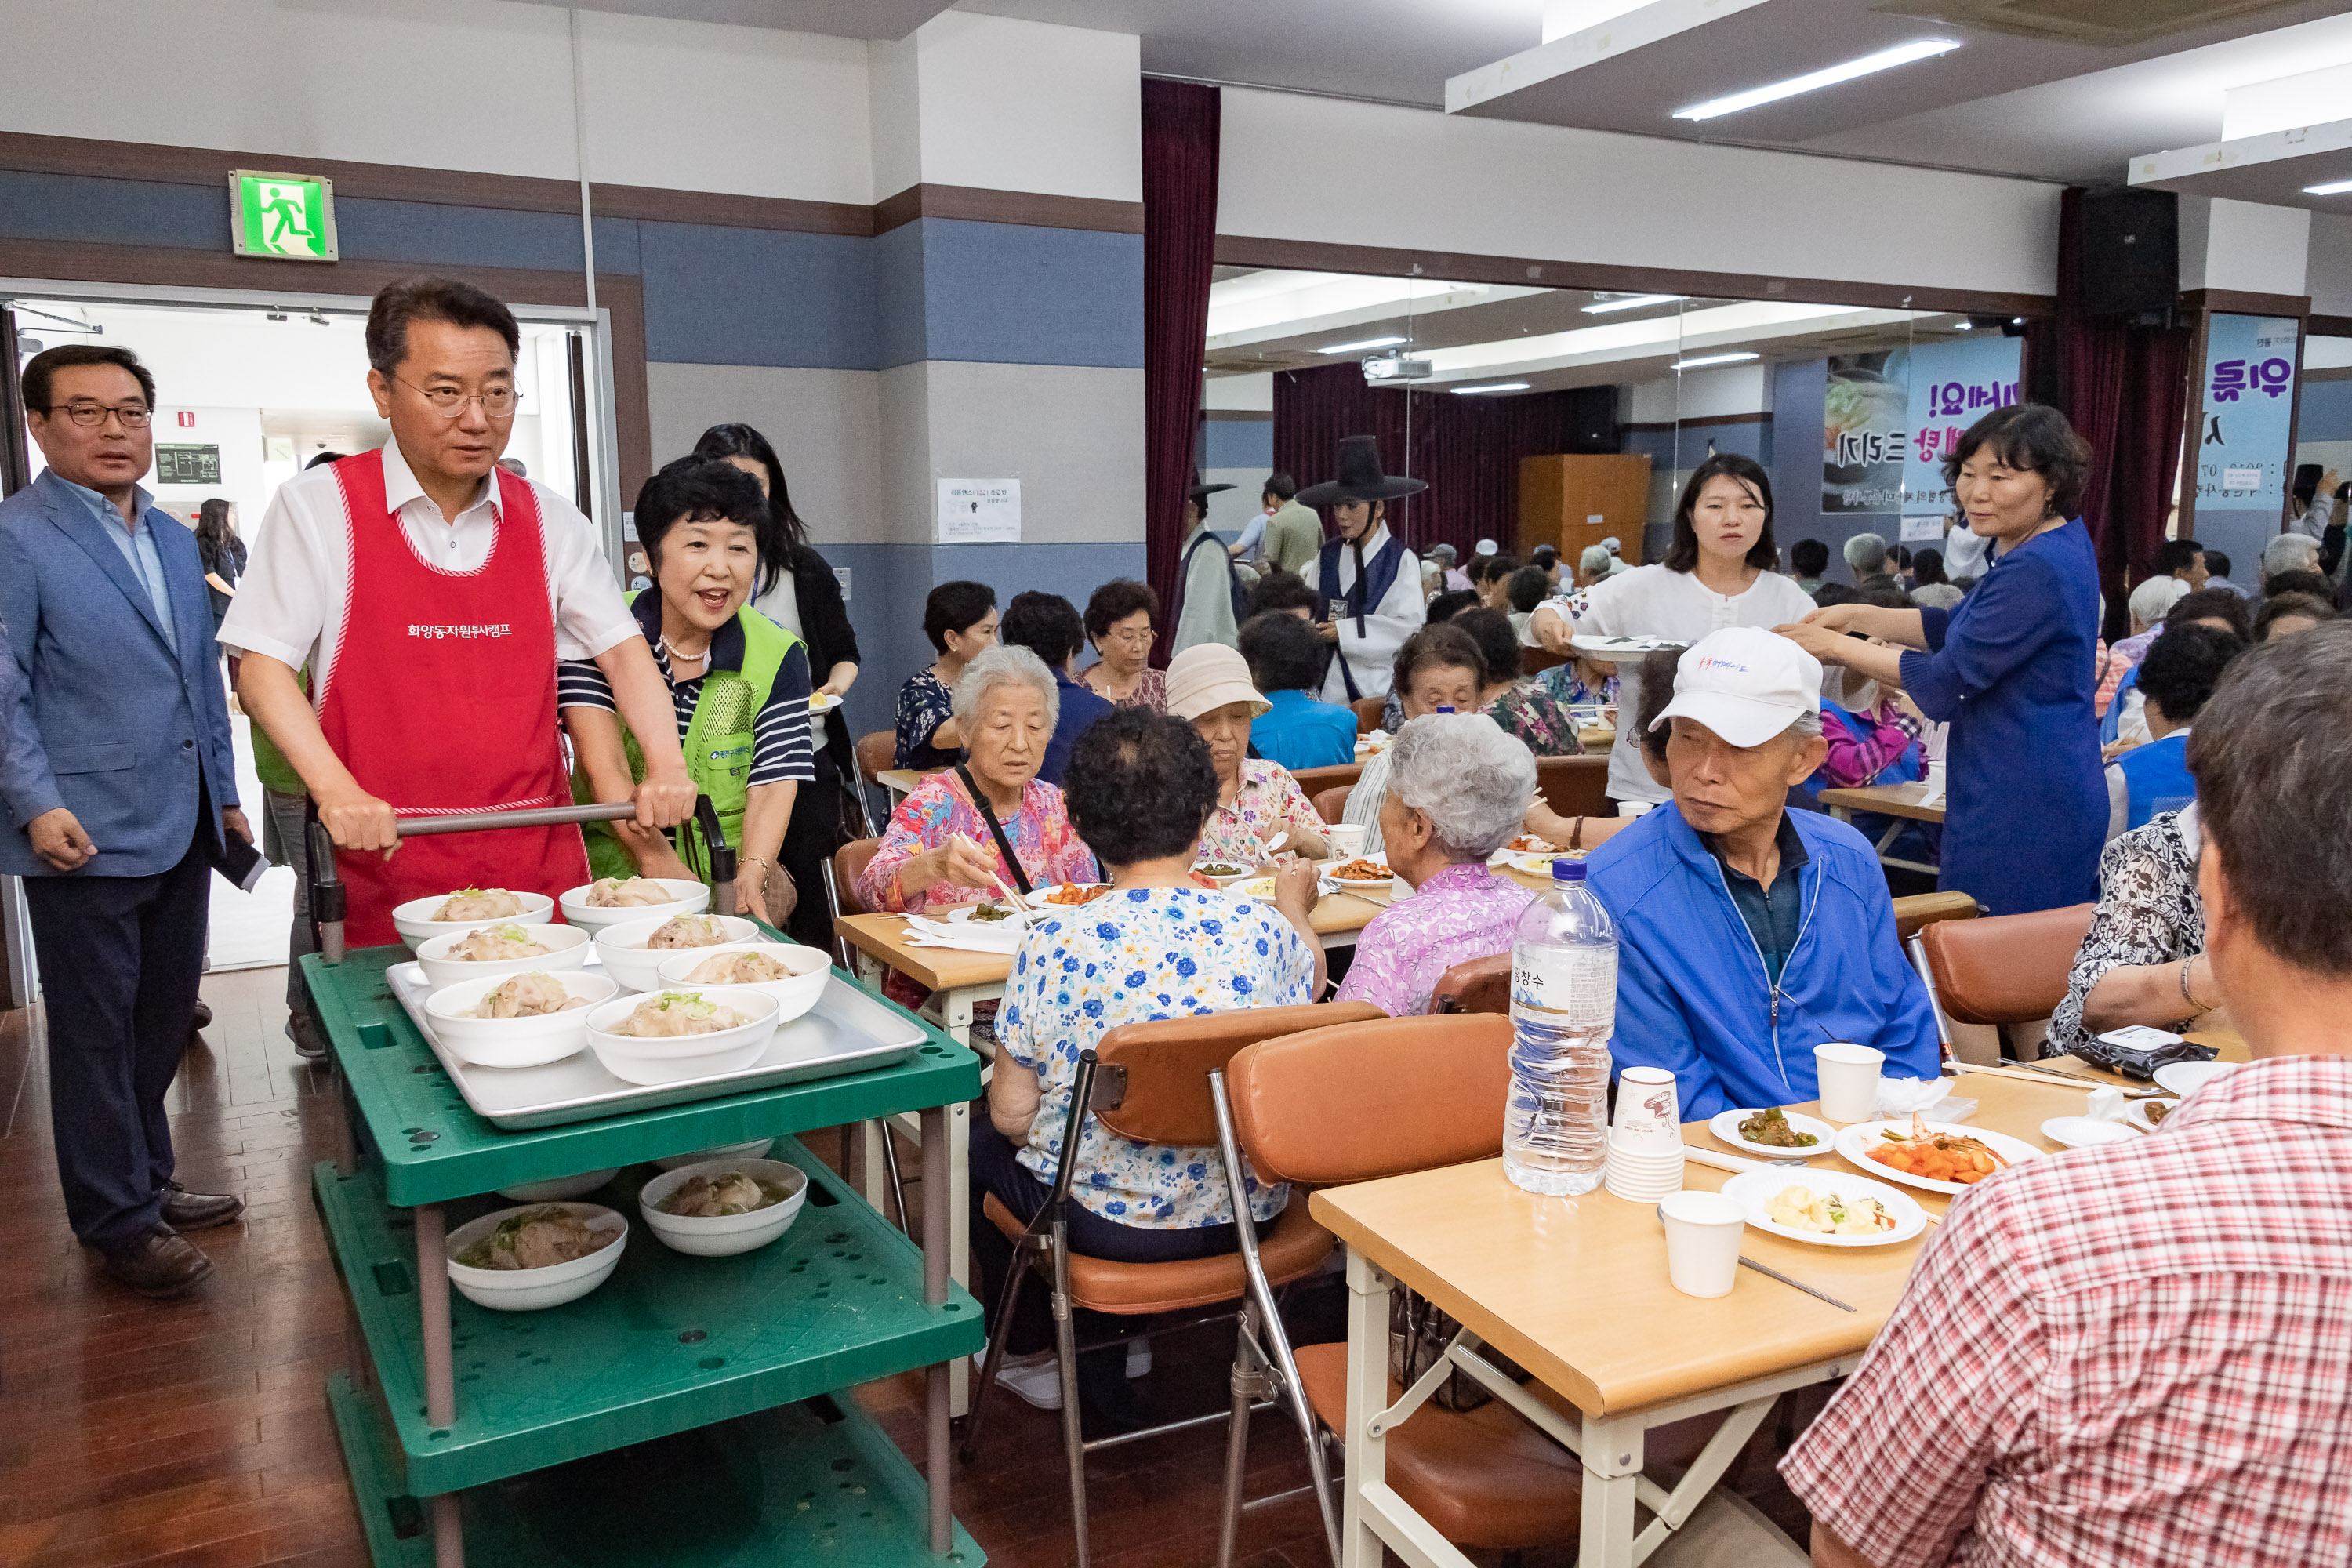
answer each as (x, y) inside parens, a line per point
(687, 897)
(622, 949)
(517, 1042)
(415, 922)
(567, 948)
(795, 992)
(699, 1052)
(534, 1289)
(723, 1236)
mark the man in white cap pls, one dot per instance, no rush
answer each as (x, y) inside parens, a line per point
(1750, 934)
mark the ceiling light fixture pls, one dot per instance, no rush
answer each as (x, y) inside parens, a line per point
(1886, 59)
(1366, 343)
(1491, 386)
(2335, 188)
(1631, 303)
(1716, 359)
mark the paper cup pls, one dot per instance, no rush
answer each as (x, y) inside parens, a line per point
(1634, 807)
(1648, 1113)
(1643, 1175)
(1703, 1232)
(1346, 839)
(1848, 1079)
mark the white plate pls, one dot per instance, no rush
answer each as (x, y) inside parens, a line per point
(2185, 1079)
(1860, 1135)
(1039, 897)
(824, 702)
(1613, 649)
(2136, 1113)
(1537, 865)
(1386, 876)
(1506, 855)
(1755, 1190)
(1263, 888)
(2085, 1132)
(1726, 1126)
(1247, 873)
(963, 912)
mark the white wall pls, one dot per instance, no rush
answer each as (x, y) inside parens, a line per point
(2327, 274)
(1295, 167)
(1246, 394)
(1704, 395)
(2248, 246)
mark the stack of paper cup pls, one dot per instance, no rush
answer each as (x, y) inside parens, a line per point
(1643, 1175)
(1646, 1144)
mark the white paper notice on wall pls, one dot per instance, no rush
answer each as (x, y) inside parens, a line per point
(1928, 530)
(1595, 521)
(979, 511)
(2241, 478)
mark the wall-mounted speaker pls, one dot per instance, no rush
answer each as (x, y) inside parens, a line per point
(2131, 251)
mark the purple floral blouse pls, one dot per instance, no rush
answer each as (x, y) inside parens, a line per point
(1463, 912)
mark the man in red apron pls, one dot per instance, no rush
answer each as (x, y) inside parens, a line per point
(430, 594)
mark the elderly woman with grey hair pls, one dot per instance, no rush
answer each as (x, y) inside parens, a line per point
(1457, 789)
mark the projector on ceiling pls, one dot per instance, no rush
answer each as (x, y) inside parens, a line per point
(1395, 367)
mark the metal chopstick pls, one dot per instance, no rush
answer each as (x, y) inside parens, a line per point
(1798, 1284)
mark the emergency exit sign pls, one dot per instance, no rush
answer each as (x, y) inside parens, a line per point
(288, 216)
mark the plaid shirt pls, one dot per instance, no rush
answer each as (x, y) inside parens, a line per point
(2134, 1354)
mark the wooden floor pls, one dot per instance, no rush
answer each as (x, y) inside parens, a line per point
(195, 1434)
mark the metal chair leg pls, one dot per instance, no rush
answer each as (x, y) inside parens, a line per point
(1066, 1336)
(1248, 1379)
(890, 1169)
(1007, 1304)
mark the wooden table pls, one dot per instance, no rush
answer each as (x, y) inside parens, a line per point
(1900, 801)
(899, 783)
(1575, 1290)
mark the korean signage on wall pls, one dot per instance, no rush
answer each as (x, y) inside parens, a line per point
(288, 216)
(979, 511)
(1953, 386)
(1862, 433)
(2248, 396)
(1888, 419)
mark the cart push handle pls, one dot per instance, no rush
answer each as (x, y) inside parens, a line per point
(327, 896)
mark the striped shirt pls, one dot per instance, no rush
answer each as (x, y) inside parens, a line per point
(781, 751)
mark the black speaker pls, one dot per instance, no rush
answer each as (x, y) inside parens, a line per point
(2131, 251)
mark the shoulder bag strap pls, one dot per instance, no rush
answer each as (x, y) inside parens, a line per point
(995, 829)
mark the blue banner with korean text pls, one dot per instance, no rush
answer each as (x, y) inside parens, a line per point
(1953, 386)
(2249, 400)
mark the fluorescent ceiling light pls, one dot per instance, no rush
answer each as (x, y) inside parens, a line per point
(1634, 303)
(2336, 189)
(1366, 343)
(1493, 386)
(1902, 54)
(1714, 359)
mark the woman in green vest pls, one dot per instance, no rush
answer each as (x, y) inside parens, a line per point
(739, 683)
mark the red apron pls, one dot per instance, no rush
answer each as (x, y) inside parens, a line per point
(441, 698)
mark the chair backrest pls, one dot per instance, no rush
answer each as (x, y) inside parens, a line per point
(1166, 1065)
(1917, 911)
(1353, 1102)
(1312, 780)
(2005, 968)
(874, 753)
(1535, 661)
(1331, 803)
(849, 863)
(1475, 985)
(1574, 786)
(1368, 713)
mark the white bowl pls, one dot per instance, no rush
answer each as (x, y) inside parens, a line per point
(2085, 1131)
(692, 898)
(414, 922)
(561, 1188)
(671, 1060)
(622, 949)
(736, 1152)
(514, 1042)
(730, 1234)
(795, 993)
(1245, 874)
(531, 1289)
(567, 948)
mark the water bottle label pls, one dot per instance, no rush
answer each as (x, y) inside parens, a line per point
(1578, 982)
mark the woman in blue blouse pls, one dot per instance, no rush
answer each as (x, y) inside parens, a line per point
(2011, 670)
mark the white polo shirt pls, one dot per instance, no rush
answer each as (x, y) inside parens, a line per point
(289, 603)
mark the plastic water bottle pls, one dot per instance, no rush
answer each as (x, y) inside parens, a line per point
(1563, 1011)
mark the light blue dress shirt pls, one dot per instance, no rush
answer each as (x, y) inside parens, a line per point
(138, 546)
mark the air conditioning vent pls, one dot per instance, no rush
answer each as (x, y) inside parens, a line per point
(2107, 23)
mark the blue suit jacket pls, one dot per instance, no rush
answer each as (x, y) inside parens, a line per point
(102, 716)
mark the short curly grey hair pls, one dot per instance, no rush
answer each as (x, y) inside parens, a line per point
(998, 667)
(1471, 780)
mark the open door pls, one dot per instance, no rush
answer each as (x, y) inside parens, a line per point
(16, 457)
(583, 461)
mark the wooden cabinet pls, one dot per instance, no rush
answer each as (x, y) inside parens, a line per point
(1570, 501)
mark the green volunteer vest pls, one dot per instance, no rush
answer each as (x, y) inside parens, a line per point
(270, 764)
(718, 744)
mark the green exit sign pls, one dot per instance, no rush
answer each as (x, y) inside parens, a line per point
(289, 217)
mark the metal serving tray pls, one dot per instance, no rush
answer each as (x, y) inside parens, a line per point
(846, 1031)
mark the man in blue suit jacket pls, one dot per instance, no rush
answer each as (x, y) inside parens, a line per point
(119, 784)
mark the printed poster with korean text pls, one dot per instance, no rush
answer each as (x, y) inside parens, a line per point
(1862, 433)
(2249, 398)
(1953, 384)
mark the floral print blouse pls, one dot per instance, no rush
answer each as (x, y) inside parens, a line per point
(1139, 955)
(924, 705)
(1463, 912)
(2148, 912)
(1050, 849)
(1268, 798)
(1531, 711)
(1150, 691)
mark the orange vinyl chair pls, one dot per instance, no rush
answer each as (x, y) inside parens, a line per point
(1313, 781)
(1914, 913)
(1475, 985)
(1331, 805)
(1151, 1082)
(1368, 713)
(2008, 971)
(1574, 786)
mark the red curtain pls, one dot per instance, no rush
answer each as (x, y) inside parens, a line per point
(1468, 448)
(1180, 245)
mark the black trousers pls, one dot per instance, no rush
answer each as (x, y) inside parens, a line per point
(120, 959)
(810, 838)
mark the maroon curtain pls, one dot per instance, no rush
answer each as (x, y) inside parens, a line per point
(1179, 248)
(1468, 448)
(2125, 388)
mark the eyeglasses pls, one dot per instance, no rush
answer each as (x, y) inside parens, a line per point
(1132, 637)
(134, 416)
(449, 403)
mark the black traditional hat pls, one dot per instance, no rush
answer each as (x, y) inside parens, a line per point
(1359, 477)
(1200, 491)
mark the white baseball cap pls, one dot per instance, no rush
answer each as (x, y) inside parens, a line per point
(1745, 684)
(1488, 547)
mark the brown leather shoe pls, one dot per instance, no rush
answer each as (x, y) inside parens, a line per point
(184, 1210)
(204, 1016)
(161, 1263)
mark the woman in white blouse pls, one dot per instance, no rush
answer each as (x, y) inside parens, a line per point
(1719, 571)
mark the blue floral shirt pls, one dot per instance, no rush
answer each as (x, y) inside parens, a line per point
(1136, 956)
